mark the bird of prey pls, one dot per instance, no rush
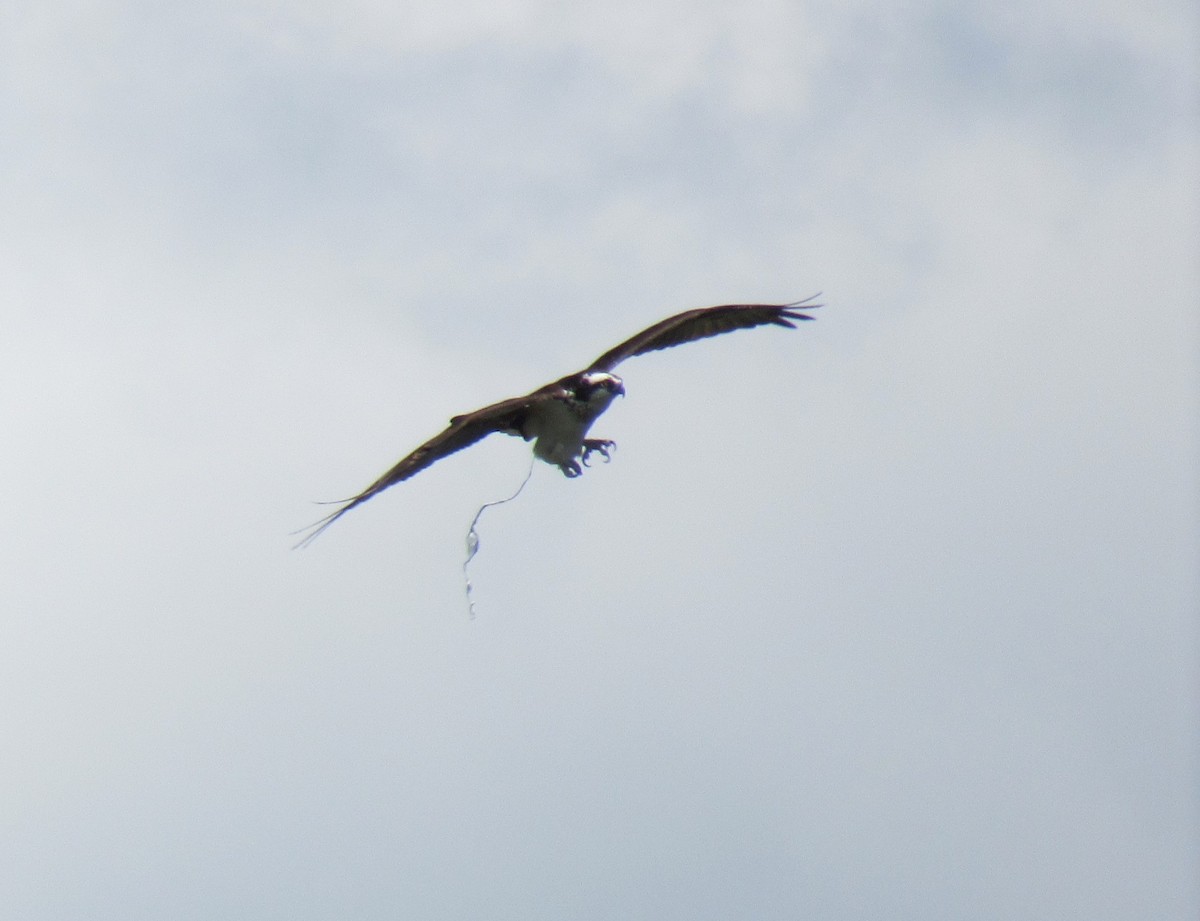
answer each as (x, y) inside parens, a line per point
(556, 417)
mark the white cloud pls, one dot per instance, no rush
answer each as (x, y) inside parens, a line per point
(889, 614)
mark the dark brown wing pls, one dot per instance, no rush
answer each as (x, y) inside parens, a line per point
(700, 324)
(506, 416)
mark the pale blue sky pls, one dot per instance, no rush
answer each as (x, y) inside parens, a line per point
(893, 616)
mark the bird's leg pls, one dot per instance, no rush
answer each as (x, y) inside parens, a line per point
(603, 445)
(570, 469)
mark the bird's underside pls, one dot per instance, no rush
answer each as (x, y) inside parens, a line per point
(557, 417)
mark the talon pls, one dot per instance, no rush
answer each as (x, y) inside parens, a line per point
(571, 470)
(603, 445)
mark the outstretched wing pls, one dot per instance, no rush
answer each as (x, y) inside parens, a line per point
(506, 416)
(700, 324)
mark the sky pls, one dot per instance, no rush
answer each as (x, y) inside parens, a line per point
(890, 616)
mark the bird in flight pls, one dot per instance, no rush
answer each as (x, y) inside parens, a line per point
(557, 417)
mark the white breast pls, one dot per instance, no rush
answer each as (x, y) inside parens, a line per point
(560, 430)
(559, 433)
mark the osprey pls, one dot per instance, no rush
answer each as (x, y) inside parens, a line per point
(557, 417)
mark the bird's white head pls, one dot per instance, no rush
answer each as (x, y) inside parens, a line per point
(600, 385)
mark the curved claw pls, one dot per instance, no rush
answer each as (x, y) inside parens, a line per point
(602, 445)
(571, 470)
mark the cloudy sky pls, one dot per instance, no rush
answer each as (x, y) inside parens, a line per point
(892, 616)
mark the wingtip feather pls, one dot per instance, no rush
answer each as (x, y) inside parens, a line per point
(795, 310)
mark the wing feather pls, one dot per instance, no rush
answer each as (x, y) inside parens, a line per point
(700, 324)
(506, 416)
